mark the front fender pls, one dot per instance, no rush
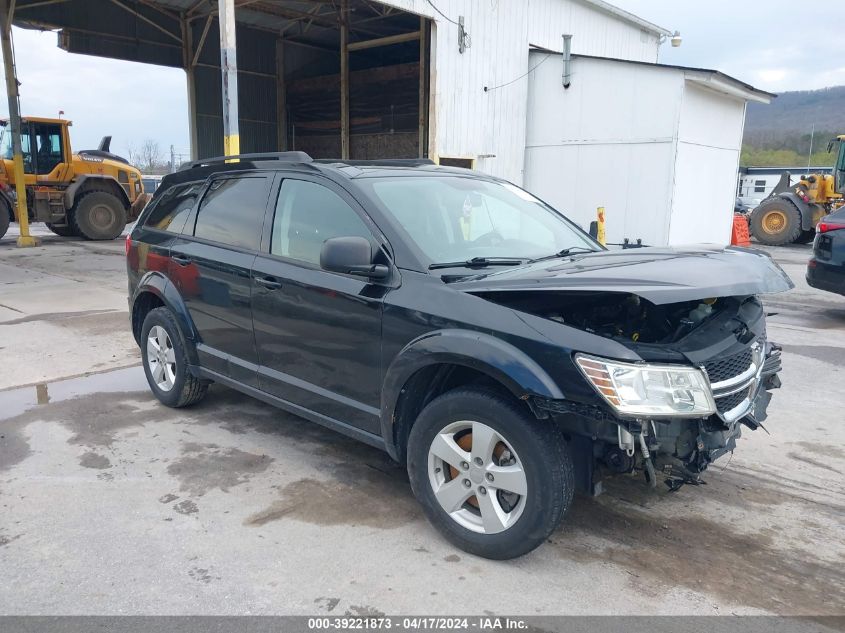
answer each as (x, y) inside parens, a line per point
(500, 360)
(79, 181)
(804, 209)
(154, 282)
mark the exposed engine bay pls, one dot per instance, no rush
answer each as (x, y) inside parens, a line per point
(614, 315)
(723, 337)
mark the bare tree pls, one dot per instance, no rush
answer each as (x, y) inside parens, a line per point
(147, 157)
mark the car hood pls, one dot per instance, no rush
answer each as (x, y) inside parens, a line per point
(660, 275)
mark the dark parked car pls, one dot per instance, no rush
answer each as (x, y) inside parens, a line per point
(826, 269)
(455, 321)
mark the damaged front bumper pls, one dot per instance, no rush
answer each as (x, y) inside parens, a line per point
(676, 450)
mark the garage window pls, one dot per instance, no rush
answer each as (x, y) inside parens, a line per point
(232, 211)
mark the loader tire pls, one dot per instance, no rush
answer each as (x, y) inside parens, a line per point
(776, 222)
(65, 230)
(806, 237)
(98, 215)
(5, 219)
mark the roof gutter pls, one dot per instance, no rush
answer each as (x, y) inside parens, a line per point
(616, 12)
(728, 85)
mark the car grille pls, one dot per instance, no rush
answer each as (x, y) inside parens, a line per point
(726, 403)
(726, 368)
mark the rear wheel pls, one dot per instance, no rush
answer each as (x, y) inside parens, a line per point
(166, 363)
(492, 478)
(99, 215)
(806, 237)
(776, 222)
(66, 230)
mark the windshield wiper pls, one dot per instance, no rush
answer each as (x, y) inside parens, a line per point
(565, 253)
(479, 262)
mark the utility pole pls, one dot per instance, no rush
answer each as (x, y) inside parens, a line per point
(810, 155)
(172, 159)
(229, 72)
(25, 239)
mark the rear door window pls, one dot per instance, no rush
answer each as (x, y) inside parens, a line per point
(173, 207)
(232, 211)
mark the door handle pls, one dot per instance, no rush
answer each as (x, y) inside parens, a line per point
(182, 260)
(270, 283)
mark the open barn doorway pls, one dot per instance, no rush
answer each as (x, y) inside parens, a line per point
(375, 61)
(335, 78)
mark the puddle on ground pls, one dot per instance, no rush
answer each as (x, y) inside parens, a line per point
(15, 401)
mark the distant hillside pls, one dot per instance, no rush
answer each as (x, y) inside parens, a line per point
(778, 134)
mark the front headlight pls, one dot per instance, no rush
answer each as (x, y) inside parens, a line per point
(649, 391)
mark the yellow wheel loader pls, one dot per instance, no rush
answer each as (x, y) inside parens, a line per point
(91, 194)
(790, 213)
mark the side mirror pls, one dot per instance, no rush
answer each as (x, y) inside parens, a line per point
(352, 256)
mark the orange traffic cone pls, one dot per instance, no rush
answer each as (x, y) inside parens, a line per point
(739, 233)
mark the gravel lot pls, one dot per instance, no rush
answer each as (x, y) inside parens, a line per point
(112, 504)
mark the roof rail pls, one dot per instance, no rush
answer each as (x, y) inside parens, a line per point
(385, 162)
(288, 157)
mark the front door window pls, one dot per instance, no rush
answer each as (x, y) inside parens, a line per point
(48, 147)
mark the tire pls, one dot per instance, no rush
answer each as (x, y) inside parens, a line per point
(5, 219)
(806, 237)
(776, 222)
(63, 231)
(98, 215)
(173, 385)
(537, 447)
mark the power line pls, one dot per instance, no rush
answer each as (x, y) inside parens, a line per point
(445, 17)
(530, 70)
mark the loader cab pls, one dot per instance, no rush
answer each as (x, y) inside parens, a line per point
(45, 145)
(839, 166)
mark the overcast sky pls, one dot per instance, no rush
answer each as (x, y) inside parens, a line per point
(775, 45)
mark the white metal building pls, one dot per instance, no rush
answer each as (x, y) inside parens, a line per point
(758, 182)
(658, 146)
(450, 79)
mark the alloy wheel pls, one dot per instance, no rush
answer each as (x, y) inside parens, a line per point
(477, 477)
(161, 358)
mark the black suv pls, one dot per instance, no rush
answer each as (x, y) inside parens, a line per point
(455, 321)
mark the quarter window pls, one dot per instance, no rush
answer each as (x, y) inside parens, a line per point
(232, 211)
(307, 214)
(173, 207)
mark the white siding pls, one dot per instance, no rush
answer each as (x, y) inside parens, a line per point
(705, 166)
(608, 140)
(468, 122)
(653, 147)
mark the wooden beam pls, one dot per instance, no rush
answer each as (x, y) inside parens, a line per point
(281, 97)
(344, 79)
(423, 70)
(379, 74)
(385, 41)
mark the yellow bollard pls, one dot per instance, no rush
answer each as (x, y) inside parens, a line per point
(24, 239)
(600, 234)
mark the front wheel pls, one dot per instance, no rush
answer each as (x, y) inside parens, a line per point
(775, 222)
(492, 478)
(5, 219)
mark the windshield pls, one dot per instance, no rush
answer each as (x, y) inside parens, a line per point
(454, 218)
